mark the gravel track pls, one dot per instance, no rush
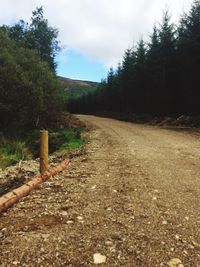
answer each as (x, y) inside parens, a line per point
(132, 197)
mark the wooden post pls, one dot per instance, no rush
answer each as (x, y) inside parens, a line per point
(43, 151)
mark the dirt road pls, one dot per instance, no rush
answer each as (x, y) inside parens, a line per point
(134, 197)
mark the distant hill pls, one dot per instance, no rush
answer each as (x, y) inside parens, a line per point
(77, 88)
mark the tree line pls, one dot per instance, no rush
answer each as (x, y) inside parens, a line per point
(30, 94)
(160, 77)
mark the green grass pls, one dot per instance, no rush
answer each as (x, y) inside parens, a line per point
(65, 140)
(12, 151)
(25, 146)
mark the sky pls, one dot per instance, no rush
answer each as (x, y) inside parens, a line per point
(94, 33)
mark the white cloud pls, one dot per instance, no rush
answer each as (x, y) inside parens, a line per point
(100, 29)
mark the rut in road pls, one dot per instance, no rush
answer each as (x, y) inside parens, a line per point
(134, 197)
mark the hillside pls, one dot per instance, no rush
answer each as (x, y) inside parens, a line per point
(77, 88)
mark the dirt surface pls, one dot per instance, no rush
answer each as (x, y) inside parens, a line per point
(133, 197)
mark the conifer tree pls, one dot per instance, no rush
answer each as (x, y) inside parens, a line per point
(189, 58)
(166, 52)
(161, 78)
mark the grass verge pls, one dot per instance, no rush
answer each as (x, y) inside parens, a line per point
(25, 146)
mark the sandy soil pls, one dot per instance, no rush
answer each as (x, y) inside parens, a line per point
(132, 197)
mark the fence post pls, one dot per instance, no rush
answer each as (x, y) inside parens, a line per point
(43, 151)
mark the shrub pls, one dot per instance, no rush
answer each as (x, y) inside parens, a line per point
(30, 94)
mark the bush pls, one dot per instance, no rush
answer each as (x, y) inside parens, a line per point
(30, 94)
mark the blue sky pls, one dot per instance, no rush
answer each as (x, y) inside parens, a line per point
(94, 33)
(78, 66)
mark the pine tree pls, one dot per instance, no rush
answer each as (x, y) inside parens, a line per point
(154, 44)
(110, 78)
(140, 79)
(153, 66)
(141, 52)
(166, 78)
(167, 36)
(189, 58)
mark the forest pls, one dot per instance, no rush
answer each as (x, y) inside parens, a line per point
(159, 77)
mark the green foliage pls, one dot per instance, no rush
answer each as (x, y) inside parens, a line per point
(64, 140)
(25, 146)
(38, 36)
(59, 140)
(12, 151)
(30, 94)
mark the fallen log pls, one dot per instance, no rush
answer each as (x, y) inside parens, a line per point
(15, 195)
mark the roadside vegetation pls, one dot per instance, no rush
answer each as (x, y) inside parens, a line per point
(31, 96)
(25, 146)
(12, 151)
